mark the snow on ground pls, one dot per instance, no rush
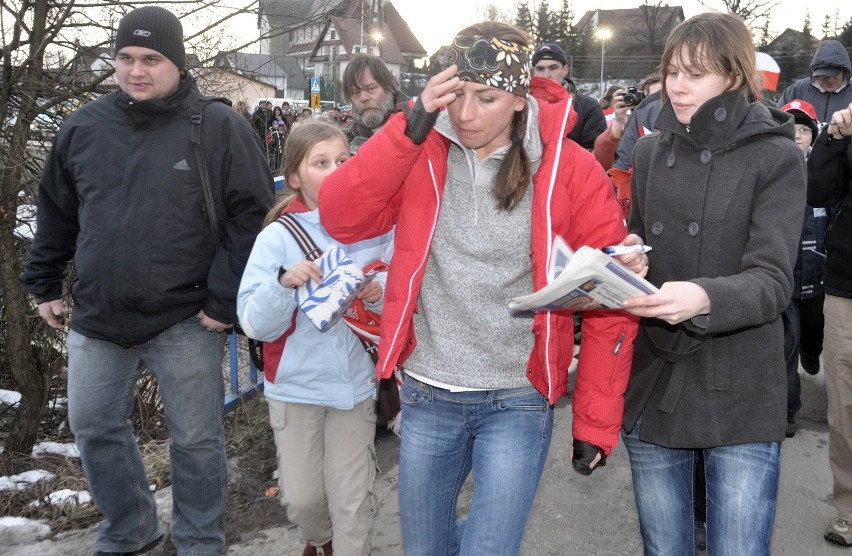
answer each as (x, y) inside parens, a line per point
(64, 497)
(58, 448)
(24, 479)
(10, 397)
(19, 530)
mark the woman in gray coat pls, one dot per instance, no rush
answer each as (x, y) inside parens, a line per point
(719, 193)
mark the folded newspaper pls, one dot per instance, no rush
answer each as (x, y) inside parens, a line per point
(325, 304)
(587, 279)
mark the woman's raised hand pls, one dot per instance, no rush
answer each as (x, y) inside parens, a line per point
(439, 90)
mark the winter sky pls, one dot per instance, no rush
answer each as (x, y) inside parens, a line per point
(435, 22)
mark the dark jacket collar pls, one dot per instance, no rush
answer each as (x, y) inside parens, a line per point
(725, 120)
(148, 109)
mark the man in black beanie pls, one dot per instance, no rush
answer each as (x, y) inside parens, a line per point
(157, 272)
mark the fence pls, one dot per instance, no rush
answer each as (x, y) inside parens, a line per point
(244, 379)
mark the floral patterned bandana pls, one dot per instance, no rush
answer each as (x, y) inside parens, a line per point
(491, 61)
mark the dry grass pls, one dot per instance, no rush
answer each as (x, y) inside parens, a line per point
(249, 440)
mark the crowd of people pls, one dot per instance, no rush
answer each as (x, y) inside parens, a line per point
(746, 205)
(273, 123)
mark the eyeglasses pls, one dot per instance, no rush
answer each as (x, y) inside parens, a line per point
(802, 130)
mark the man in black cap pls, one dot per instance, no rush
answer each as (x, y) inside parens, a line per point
(827, 89)
(157, 267)
(549, 61)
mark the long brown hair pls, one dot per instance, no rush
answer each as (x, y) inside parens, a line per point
(354, 74)
(300, 141)
(513, 176)
(717, 42)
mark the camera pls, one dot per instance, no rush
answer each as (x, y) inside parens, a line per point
(632, 97)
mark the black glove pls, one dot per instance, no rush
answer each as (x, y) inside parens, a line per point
(418, 122)
(584, 454)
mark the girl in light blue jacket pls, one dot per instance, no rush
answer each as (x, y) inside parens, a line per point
(321, 393)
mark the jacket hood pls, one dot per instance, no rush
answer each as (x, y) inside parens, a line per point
(831, 54)
(726, 120)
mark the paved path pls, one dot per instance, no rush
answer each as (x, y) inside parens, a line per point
(574, 514)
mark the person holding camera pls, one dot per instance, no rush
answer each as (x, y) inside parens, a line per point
(620, 137)
(549, 61)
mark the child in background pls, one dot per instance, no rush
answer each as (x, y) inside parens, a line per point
(803, 318)
(321, 404)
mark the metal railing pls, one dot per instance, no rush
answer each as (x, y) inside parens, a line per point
(245, 382)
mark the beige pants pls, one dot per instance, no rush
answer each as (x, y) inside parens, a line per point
(326, 469)
(837, 355)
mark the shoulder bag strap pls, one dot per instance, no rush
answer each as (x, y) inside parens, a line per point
(195, 118)
(305, 241)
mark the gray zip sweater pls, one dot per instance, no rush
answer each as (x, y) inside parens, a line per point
(478, 260)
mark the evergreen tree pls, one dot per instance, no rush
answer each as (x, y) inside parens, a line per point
(562, 28)
(806, 28)
(826, 27)
(845, 34)
(765, 35)
(523, 19)
(542, 24)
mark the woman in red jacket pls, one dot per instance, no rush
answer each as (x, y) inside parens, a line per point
(477, 193)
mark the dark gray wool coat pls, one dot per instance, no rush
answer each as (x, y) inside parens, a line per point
(722, 205)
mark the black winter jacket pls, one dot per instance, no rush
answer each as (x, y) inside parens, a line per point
(722, 205)
(121, 195)
(591, 121)
(830, 185)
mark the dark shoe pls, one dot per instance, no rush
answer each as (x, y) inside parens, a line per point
(310, 550)
(327, 549)
(809, 363)
(142, 550)
(791, 425)
(839, 531)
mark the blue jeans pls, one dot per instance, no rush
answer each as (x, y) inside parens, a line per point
(501, 435)
(742, 488)
(186, 359)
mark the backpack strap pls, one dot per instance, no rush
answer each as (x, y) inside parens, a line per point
(204, 173)
(303, 239)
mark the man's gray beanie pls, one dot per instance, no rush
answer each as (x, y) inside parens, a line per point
(155, 28)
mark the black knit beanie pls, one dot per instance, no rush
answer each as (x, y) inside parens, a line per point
(155, 28)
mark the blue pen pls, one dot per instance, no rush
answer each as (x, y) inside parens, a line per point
(625, 249)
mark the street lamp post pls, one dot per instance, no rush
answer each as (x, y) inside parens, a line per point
(603, 34)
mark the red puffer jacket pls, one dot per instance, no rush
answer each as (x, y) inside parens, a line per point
(395, 182)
